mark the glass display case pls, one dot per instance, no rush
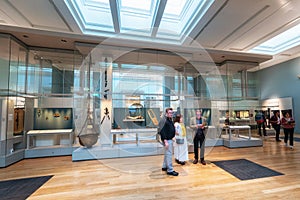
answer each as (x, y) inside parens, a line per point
(12, 110)
(28, 77)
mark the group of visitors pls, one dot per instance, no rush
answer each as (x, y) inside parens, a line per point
(169, 130)
(286, 122)
(173, 135)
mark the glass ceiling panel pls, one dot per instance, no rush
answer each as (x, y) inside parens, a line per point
(280, 43)
(137, 15)
(92, 15)
(175, 7)
(181, 16)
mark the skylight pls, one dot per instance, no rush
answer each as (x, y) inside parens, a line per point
(92, 15)
(137, 16)
(280, 43)
(168, 21)
(181, 16)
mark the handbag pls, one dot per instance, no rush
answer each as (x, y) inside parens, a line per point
(179, 140)
(158, 138)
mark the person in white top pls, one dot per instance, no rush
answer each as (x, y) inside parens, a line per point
(180, 147)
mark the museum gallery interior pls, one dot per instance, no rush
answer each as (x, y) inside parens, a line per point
(84, 84)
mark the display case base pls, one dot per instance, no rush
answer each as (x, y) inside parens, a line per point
(117, 151)
(208, 143)
(11, 158)
(242, 141)
(48, 151)
(214, 142)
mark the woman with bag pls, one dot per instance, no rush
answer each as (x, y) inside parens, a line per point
(180, 147)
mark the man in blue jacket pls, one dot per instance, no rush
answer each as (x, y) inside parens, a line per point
(261, 122)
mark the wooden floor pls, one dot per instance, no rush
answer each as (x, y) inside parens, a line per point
(142, 178)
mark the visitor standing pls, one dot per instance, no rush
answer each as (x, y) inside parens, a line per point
(167, 133)
(276, 122)
(288, 124)
(180, 147)
(198, 124)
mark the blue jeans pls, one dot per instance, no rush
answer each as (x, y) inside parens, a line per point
(168, 157)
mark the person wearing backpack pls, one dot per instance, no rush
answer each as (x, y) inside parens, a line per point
(261, 122)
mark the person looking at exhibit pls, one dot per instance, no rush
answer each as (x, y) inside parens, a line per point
(261, 122)
(288, 124)
(166, 130)
(276, 122)
(180, 147)
(198, 124)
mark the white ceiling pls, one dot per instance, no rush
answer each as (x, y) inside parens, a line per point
(229, 25)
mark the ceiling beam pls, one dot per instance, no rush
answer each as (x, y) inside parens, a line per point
(209, 17)
(115, 12)
(158, 16)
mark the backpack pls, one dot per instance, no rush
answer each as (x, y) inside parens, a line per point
(259, 118)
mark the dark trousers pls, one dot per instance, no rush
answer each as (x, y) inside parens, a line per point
(277, 130)
(199, 138)
(263, 126)
(289, 132)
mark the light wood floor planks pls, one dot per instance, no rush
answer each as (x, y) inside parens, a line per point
(142, 178)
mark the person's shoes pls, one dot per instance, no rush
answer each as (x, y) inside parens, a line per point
(164, 169)
(203, 162)
(265, 134)
(173, 173)
(195, 161)
(177, 161)
(285, 144)
(279, 140)
(291, 147)
(182, 162)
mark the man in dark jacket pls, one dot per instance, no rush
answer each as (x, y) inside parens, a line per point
(276, 122)
(167, 133)
(198, 124)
